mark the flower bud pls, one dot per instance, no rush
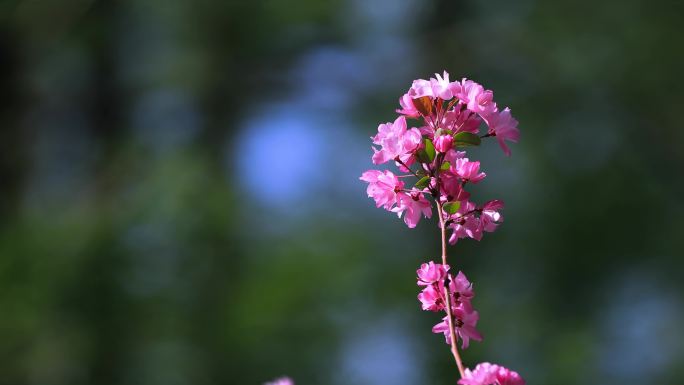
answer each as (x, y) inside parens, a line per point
(443, 143)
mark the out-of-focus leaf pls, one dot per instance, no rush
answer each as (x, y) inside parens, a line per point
(452, 207)
(463, 139)
(423, 182)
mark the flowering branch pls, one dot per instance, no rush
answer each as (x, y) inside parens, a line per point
(452, 113)
(447, 295)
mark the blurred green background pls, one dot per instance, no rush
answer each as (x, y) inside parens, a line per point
(180, 201)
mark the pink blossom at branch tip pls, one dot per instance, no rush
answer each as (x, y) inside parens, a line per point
(431, 272)
(490, 217)
(407, 107)
(437, 87)
(467, 170)
(467, 91)
(456, 89)
(412, 206)
(490, 374)
(395, 140)
(504, 127)
(441, 86)
(477, 99)
(420, 88)
(483, 103)
(443, 143)
(383, 187)
(281, 381)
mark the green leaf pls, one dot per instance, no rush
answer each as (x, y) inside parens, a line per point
(452, 207)
(445, 166)
(427, 154)
(463, 139)
(430, 149)
(423, 182)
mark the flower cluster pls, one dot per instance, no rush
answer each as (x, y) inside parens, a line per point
(433, 298)
(489, 374)
(450, 117)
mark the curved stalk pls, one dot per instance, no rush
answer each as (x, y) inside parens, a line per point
(452, 329)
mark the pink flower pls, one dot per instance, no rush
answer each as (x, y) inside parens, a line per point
(452, 189)
(460, 287)
(281, 381)
(443, 327)
(431, 272)
(431, 298)
(395, 140)
(443, 143)
(427, 131)
(467, 170)
(465, 224)
(482, 102)
(504, 127)
(490, 374)
(466, 227)
(456, 89)
(383, 187)
(412, 206)
(467, 91)
(490, 217)
(452, 155)
(420, 88)
(437, 87)
(484, 374)
(476, 98)
(465, 319)
(461, 120)
(407, 107)
(441, 86)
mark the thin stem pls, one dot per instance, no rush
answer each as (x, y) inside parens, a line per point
(452, 330)
(407, 167)
(416, 191)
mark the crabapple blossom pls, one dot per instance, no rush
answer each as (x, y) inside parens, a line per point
(412, 206)
(420, 88)
(504, 127)
(383, 187)
(491, 374)
(431, 272)
(461, 287)
(465, 223)
(431, 298)
(443, 143)
(440, 86)
(468, 171)
(490, 217)
(395, 141)
(465, 320)
(407, 107)
(451, 116)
